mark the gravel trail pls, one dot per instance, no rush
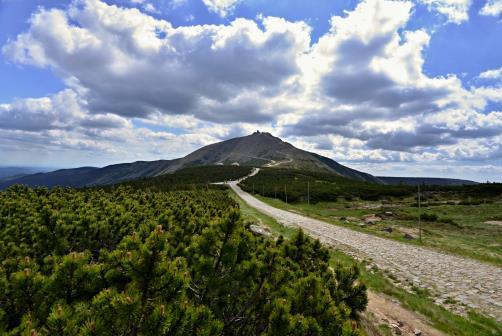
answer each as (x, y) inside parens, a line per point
(469, 282)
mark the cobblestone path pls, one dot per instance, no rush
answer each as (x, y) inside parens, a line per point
(469, 282)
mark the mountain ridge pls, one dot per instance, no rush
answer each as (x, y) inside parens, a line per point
(414, 181)
(257, 149)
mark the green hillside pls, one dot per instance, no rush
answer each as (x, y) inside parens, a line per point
(192, 177)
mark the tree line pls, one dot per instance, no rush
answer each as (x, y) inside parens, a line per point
(296, 186)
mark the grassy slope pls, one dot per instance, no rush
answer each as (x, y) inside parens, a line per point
(377, 281)
(468, 235)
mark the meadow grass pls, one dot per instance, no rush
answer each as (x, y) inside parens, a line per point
(458, 229)
(377, 281)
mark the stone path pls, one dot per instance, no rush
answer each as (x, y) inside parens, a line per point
(469, 282)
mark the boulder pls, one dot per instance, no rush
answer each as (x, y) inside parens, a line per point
(259, 230)
(408, 236)
(387, 229)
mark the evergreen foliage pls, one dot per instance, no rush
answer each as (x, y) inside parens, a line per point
(192, 178)
(125, 261)
(324, 187)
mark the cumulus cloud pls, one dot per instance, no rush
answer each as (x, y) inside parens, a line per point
(456, 11)
(492, 8)
(358, 94)
(367, 83)
(132, 64)
(221, 7)
(64, 110)
(491, 74)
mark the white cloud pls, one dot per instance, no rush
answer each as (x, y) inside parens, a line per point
(132, 64)
(493, 94)
(359, 94)
(64, 110)
(365, 81)
(492, 8)
(456, 11)
(221, 7)
(491, 74)
(150, 8)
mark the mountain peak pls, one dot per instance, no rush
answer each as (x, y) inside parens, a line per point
(259, 149)
(262, 149)
(261, 134)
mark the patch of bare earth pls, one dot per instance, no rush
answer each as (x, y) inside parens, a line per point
(411, 231)
(384, 310)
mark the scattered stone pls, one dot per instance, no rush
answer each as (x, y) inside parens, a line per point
(259, 230)
(387, 229)
(396, 329)
(400, 323)
(408, 236)
(343, 218)
(417, 332)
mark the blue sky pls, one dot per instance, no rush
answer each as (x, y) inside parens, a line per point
(388, 87)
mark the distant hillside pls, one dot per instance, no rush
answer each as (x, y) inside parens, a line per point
(413, 181)
(10, 173)
(13, 171)
(257, 149)
(90, 176)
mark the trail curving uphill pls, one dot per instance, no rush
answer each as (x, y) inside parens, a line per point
(469, 282)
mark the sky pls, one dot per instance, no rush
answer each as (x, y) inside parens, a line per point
(389, 87)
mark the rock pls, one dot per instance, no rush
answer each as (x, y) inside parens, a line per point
(388, 213)
(396, 329)
(417, 332)
(343, 218)
(387, 229)
(400, 323)
(371, 219)
(408, 236)
(258, 230)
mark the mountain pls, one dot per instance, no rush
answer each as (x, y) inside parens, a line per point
(91, 176)
(10, 173)
(258, 149)
(263, 149)
(413, 181)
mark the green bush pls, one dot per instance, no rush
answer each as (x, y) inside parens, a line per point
(124, 261)
(428, 217)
